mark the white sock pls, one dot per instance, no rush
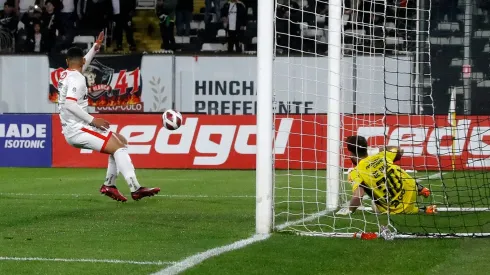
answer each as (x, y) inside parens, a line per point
(125, 166)
(110, 178)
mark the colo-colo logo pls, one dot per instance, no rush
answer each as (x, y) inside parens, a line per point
(233, 137)
(23, 135)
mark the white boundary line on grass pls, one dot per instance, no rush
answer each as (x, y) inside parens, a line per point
(200, 257)
(29, 259)
(162, 196)
(431, 177)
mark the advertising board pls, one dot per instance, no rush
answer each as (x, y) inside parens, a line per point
(228, 85)
(25, 140)
(229, 142)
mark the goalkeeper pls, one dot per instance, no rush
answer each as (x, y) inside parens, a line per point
(390, 188)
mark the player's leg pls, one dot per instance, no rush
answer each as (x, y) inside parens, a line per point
(121, 138)
(109, 187)
(115, 146)
(90, 138)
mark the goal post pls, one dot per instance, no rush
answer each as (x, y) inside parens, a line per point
(333, 87)
(366, 68)
(264, 159)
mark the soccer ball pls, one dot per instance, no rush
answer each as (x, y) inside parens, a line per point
(171, 120)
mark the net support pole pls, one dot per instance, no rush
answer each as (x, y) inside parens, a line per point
(264, 156)
(333, 129)
(420, 38)
(468, 34)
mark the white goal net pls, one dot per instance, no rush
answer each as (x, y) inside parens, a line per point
(364, 67)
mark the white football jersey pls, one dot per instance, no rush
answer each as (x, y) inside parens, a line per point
(72, 86)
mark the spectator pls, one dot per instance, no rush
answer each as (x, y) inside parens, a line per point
(8, 18)
(251, 4)
(235, 20)
(68, 15)
(123, 18)
(372, 15)
(209, 8)
(318, 6)
(50, 23)
(446, 10)
(124, 11)
(29, 18)
(166, 13)
(184, 16)
(288, 26)
(36, 42)
(23, 6)
(67, 18)
(93, 15)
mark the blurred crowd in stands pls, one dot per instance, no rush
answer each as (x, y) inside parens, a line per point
(41, 26)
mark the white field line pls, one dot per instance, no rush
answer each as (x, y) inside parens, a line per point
(200, 257)
(431, 177)
(162, 196)
(305, 219)
(168, 179)
(107, 261)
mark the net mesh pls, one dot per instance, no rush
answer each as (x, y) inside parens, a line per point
(406, 71)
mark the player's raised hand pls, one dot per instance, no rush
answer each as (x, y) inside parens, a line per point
(100, 123)
(99, 41)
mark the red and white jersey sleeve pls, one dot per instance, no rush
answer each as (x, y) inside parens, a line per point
(72, 87)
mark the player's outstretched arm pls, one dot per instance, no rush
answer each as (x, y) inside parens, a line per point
(355, 202)
(95, 49)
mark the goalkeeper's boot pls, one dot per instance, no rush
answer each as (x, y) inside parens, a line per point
(431, 209)
(112, 192)
(144, 192)
(425, 192)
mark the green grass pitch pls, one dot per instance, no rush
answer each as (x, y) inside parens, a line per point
(59, 214)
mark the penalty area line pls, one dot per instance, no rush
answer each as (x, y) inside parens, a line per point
(107, 261)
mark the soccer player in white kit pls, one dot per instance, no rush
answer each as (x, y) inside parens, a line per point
(81, 130)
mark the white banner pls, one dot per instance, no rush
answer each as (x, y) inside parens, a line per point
(228, 85)
(24, 84)
(156, 73)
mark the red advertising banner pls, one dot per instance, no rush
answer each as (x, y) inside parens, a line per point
(229, 142)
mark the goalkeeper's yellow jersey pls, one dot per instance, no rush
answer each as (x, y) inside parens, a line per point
(395, 190)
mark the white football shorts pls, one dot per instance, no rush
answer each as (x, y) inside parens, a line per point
(91, 138)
